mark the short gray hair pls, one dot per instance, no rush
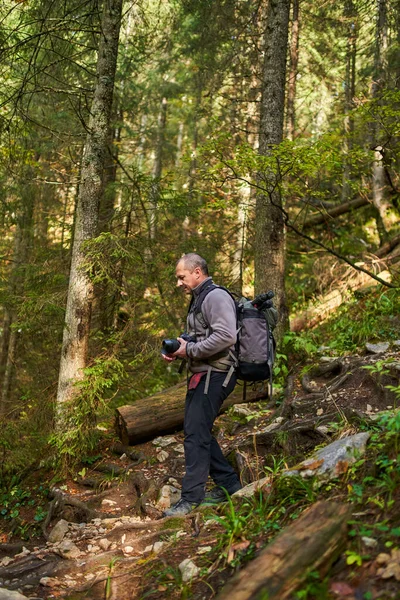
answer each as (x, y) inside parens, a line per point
(192, 261)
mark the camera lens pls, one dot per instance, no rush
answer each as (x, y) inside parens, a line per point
(170, 346)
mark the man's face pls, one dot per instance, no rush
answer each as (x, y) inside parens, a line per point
(186, 279)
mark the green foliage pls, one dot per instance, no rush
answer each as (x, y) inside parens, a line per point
(22, 443)
(77, 434)
(302, 344)
(22, 508)
(234, 522)
(313, 587)
(361, 320)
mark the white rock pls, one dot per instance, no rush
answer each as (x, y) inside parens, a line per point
(334, 458)
(58, 532)
(204, 550)
(104, 544)
(180, 533)
(369, 408)
(168, 495)
(164, 441)
(274, 425)
(158, 547)
(68, 549)
(23, 553)
(49, 582)
(5, 561)
(323, 429)
(128, 549)
(242, 410)
(162, 456)
(179, 448)
(107, 502)
(148, 548)
(188, 569)
(369, 542)
(377, 348)
(322, 349)
(252, 488)
(11, 595)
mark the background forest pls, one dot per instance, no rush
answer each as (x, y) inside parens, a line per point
(263, 135)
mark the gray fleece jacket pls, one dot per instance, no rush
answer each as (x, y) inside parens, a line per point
(214, 329)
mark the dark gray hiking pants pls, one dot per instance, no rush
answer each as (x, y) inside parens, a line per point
(203, 456)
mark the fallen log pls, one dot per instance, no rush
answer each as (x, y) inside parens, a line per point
(163, 413)
(341, 209)
(314, 541)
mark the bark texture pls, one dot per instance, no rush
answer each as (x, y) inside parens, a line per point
(378, 169)
(80, 291)
(293, 65)
(22, 246)
(157, 168)
(350, 15)
(314, 541)
(269, 226)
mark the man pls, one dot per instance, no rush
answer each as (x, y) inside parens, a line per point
(210, 361)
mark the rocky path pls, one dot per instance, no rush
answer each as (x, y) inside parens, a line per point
(103, 543)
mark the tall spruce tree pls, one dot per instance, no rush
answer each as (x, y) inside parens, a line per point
(269, 248)
(95, 155)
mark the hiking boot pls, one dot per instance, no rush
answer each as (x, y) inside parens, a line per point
(181, 508)
(218, 494)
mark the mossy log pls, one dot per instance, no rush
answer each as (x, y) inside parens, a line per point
(163, 413)
(314, 542)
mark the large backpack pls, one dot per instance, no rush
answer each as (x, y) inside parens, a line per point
(255, 344)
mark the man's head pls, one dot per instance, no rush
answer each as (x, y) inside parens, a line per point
(191, 270)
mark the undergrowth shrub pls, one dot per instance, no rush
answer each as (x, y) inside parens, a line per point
(370, 318)
(76, 434)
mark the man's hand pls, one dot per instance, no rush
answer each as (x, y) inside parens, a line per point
(168, 357)
(181, 352)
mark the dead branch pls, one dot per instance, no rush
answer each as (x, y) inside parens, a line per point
(323, 217)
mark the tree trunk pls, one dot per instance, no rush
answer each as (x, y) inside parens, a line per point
(95, 156)
(378, 169)
(314, 541)
(105, 299)
(269, 226)
(163, 413)
(237, 264)
(157, 168)
(179, 145)
(22, 244)
(351, 20)
(293, 64)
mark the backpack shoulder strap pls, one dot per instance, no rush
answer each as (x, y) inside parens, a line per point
(196, 303)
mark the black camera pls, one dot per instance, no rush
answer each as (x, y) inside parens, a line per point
(170, 346)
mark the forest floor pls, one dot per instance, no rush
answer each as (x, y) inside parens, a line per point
(115, 544)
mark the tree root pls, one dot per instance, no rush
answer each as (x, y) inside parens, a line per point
(61, 500)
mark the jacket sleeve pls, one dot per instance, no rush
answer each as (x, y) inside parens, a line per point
(219, 311)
